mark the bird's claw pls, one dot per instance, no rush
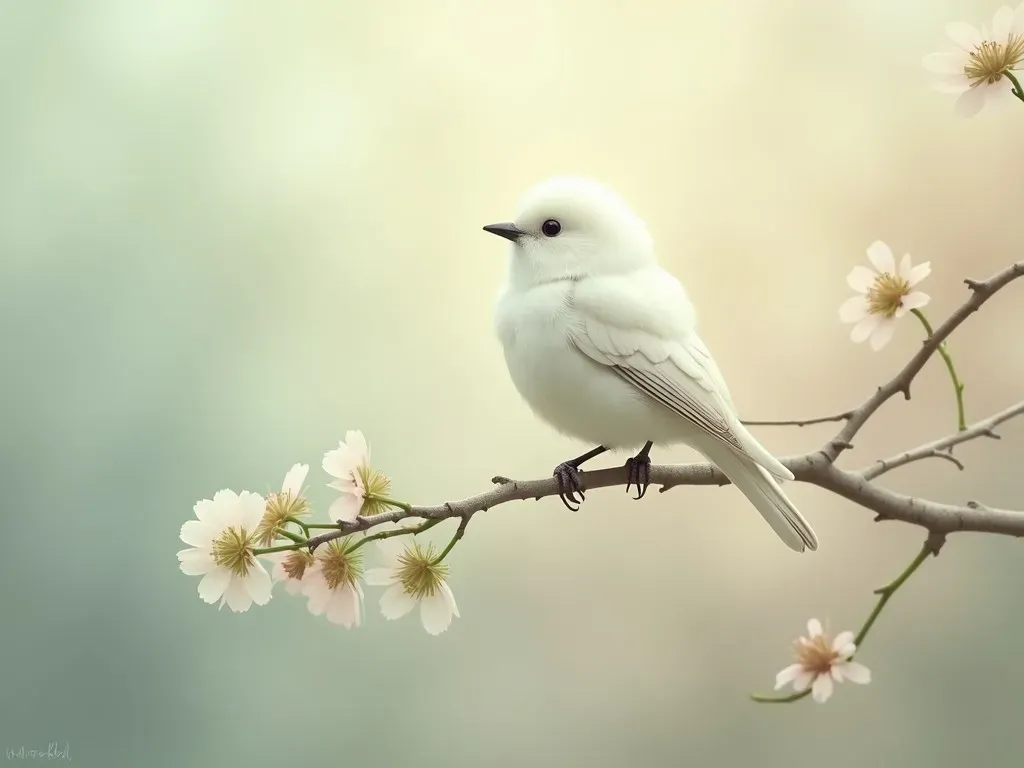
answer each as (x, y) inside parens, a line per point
(569, 485)
(638, 473)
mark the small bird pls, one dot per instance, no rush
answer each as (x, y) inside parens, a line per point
(602, 344)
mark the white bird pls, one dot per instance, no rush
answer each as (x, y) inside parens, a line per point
(602, 344)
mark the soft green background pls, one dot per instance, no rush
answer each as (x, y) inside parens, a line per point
(229, 231)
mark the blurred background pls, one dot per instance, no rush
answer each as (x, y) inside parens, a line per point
(231, 231)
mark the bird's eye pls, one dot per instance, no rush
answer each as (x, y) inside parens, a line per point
(550, 228)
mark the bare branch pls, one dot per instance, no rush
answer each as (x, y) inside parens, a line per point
(844, 416)
(939, 448)
(816, 468)
(813, 468)
(980, 293)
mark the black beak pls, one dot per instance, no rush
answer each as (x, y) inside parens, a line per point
(508, 230)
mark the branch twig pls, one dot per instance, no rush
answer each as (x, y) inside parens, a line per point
(939, 448)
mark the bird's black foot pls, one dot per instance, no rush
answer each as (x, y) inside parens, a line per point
(638, 472)
(569, 484)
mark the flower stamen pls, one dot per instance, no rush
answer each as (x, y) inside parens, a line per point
(233, 550)
(990, 61)
(339, 564)
(885, 296)
(419, 574)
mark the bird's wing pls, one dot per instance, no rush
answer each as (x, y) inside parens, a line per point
(643, 330)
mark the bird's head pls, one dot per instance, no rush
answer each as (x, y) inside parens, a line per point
(568, 228)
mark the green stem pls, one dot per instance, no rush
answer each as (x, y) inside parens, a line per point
(425, 526)
(1017, 90)
(404, 506)
(458, 535)
(279, 548)
(958, 386)
(884, 594)
(300, 523)
(293, 536)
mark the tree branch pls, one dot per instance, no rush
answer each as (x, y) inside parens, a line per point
(980, 293)
(939, 448)
(844, 416)
(816, 468)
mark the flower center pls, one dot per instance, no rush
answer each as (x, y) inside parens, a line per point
(885, 295)
(989, 61)
(815, 654)
(296, 562)
(233, 550)
(340, 566)
(280, 506)
(419, 575)
(374, 483)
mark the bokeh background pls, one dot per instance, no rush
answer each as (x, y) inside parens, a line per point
(230, 231)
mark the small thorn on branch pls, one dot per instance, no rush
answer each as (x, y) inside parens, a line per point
(501, 480)
(974, 285)
(934, 542)
(905, 389)
(989, 433)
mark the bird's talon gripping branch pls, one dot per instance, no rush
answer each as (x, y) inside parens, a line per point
(638, 471)
(569, 484)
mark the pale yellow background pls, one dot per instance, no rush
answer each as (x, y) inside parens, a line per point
(229, 231)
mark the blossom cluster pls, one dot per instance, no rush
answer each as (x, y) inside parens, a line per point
(236, 537)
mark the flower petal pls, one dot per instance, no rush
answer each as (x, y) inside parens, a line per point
(259, 584)
(392, 548)
(865, 328)
(880, 256)
(813, 628)
(853, 310)
(251, 507)
(436, 613)
(1002, 23)
(861, 278)
(443, 586)
(199, 533)
(882, 334)
(803, 680)
(945, 63)
(294, 479)
(1018, 21)
(343, 608)
(787, 675)
(842, 640)
(964, 35)
(346, 507)
(205, 510)
(357, 444)
(214, 584)
(915, 300)
(970, 102)
(237, 595)
(340, 463)
(918, 273)
(380, 577)
(836, 672)
(395, 602)
(195, 562)
(856, 673)
(822, 688)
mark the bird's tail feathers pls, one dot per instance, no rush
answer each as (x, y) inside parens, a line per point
(759, 453)
(764, 493)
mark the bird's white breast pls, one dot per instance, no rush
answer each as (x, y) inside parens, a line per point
(577, 396)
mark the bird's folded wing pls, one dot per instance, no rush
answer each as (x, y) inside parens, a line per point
(678, 373)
